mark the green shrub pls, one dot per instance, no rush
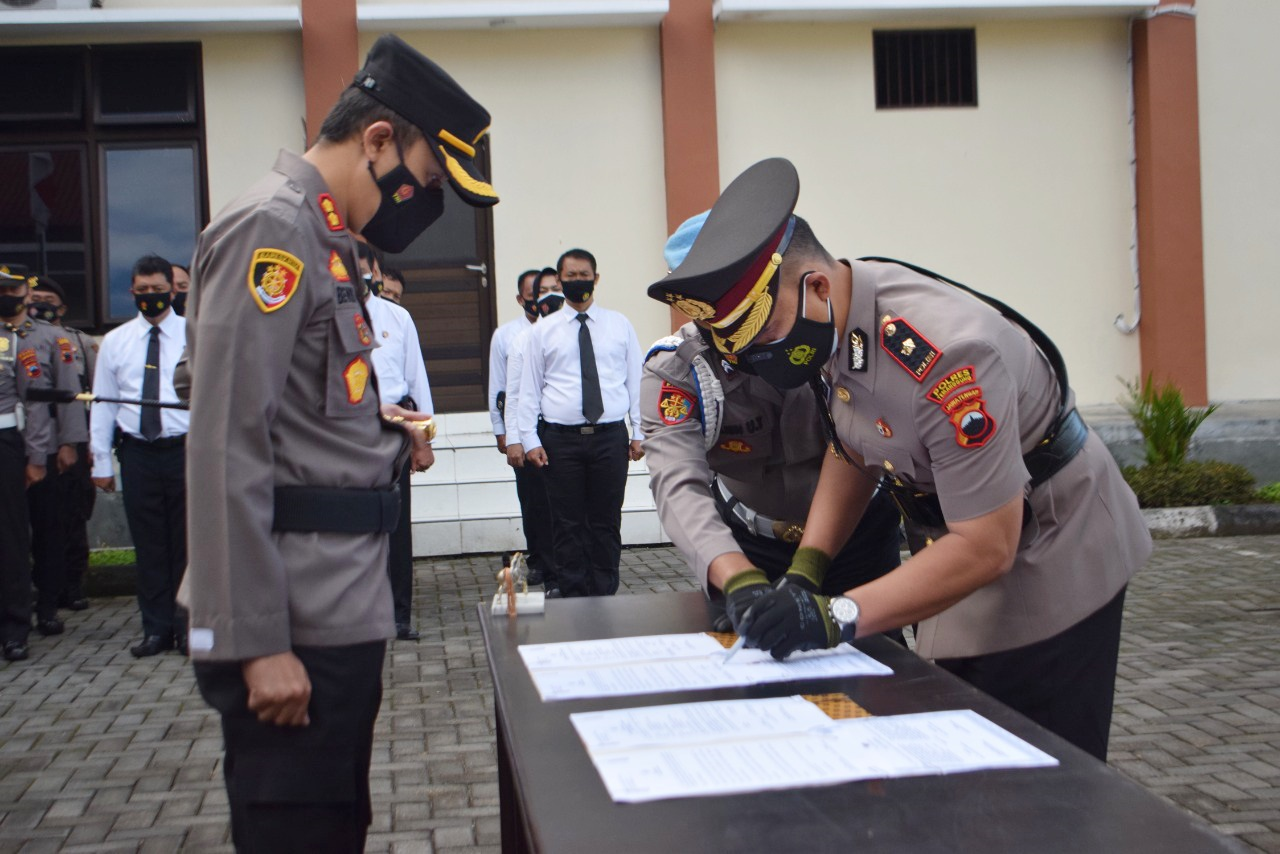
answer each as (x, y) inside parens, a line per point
(1191, 484)
(1165, 422)
(1270, 492)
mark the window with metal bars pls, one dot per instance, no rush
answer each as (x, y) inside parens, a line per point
(925, 68)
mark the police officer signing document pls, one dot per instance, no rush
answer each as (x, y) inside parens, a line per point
(292, 465)
(1024, 533)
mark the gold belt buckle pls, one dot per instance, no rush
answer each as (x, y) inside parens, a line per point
(788, 532)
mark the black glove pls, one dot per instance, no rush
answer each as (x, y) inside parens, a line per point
(741, 591)
(790, 619)
(808, 569)
(720, 621)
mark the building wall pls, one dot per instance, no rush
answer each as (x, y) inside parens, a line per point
(1239, 126)
(576, 153)
(1028, 197)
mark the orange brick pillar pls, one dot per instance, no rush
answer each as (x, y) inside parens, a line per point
(330, 56)
(1170, 237)
(690, 147)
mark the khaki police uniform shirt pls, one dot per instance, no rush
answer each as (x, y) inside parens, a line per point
(282, 394)
(949, 395)
(31, 357)
(769, 451)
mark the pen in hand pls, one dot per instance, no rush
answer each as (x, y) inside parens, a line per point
(742, 640)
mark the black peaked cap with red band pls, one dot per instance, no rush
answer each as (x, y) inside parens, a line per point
(729, 279)
(422, 92)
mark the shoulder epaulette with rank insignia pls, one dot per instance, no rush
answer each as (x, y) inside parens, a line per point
(906, 346)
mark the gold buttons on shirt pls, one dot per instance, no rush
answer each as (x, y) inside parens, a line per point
(843, 394)
(888, 466)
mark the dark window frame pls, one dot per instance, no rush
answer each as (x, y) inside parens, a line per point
(925, 68)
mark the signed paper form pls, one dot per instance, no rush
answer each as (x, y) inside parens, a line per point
(656, 663)
(735, 746)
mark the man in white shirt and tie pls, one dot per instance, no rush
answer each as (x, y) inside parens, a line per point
(136, 361)
(580, 381)
(402, 380)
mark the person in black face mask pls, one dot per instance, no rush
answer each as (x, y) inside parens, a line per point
(296, 459)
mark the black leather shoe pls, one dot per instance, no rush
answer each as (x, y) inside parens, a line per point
(180, 644)
(15, 651)
(406, 632)
(554, 593)
(73, 601)
(50, 626)
(151, 645)
(536, 577)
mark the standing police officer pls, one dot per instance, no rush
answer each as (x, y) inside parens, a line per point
(1026, 535)
(296, 464)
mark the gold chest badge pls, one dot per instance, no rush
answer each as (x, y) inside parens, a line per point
(356, 377)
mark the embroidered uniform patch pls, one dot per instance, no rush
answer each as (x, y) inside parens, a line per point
(29, 361)
(857, 350)
(337, 268)
(356, 376)
(68, 352)
(908, 347)
(329, 209)
(952, 381)
(674, 405)
(362, 330)
(273, 278)
(883, 428)
(967, 411)
(736, 446)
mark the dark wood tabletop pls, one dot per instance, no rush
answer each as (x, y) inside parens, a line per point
(554, 801)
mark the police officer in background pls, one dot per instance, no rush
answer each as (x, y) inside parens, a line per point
(296, 460)
(62, 505)
(31, 443)
(733, 463)
(1024, 533)
(402, 380)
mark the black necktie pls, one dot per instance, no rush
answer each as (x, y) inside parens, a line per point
(592, 403)
(151, 388)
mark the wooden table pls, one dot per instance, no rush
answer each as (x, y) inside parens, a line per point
(552, 799)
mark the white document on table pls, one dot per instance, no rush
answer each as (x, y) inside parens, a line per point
(737, 746)
(656, 663)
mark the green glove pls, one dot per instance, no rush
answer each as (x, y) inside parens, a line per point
(808, 569)
(741, 591)
(791, 619)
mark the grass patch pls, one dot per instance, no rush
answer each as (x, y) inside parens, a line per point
(112, 557)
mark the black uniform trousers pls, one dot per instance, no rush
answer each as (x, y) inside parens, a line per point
(77, 495)
(48, 540)
(400, 556)
(15, 539)
(153, 477)
(301, 789)
(1065, 683)
(535, 518)
(586, 478)
(873, 549)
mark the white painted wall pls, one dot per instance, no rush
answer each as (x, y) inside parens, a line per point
(1027, 197)
(1239, 127)
(576, 153)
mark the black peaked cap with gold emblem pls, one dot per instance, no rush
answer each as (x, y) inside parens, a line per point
(422, 92)
(729, 279)
(12, 274)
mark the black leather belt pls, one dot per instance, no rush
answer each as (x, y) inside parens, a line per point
(336, 510)
(168, 442)
(582, 429)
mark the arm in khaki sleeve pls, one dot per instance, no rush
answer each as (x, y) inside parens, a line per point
(39, 434)
(240, 360)
(73, 424)
(680, 479)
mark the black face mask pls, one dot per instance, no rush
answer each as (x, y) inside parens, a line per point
(800, 355)
(577, 290)
(11, 305)
(180, 303)
(374, 285)
(406, 209)
(43, 311)
(550, 303)
(530, 307)
(152, 305)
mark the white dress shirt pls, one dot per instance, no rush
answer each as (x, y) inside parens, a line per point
(397, 360)
(500, 348)
(514, 371)
(119, 373)
(551, 378)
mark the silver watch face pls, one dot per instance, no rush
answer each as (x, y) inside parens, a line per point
(844, 610)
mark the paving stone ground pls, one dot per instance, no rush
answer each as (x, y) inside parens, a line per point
(100, 752)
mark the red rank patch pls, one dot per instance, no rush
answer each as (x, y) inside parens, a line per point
(362, 329)
(67, 351)
(31, 362)
(674, 405)
(736, 446)
(329, 209)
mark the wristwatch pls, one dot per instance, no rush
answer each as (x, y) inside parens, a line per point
(844, 611)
